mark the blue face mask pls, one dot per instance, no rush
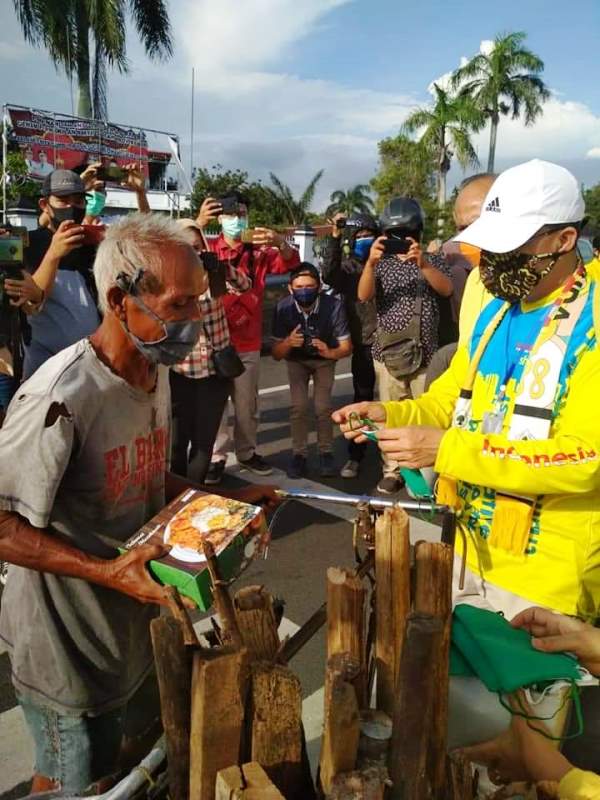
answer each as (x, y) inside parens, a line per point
(94, 203)
(233, 227)
(178, 341)
(306, 296)
(362, 247)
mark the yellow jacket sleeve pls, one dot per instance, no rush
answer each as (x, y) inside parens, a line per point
(436, 406)
(568, 463)
(579, 785)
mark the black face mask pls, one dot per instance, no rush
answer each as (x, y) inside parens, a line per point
(511, 276)
(67, 214)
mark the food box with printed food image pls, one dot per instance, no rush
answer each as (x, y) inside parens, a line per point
(236, 530)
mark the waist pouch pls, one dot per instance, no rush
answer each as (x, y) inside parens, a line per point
(402, 352)
(227, 362)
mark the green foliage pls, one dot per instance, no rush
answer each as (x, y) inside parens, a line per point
(504, 81)
(67, 28)
(295, 210)
(408, 168)
(216, 181)
(19, 185)
(356, 199)
(592, 207)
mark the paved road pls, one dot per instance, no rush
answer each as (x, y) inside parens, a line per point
(307, 539)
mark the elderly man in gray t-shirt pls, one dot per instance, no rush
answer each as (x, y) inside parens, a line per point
(84, 464)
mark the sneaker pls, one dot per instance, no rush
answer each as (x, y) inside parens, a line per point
(256, 464)
(297, 467)
(350, 469)
(390, 484)
(326, 465)
(215, 473)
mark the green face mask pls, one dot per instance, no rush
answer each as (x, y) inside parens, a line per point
(94, 203)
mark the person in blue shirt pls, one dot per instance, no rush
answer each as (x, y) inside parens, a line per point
(310, 330)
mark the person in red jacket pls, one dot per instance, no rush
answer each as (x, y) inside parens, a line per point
(268, 252)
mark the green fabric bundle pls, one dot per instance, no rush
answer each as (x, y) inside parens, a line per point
(485, 645)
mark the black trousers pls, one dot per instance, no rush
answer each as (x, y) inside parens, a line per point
(363, 380)
(197, 407)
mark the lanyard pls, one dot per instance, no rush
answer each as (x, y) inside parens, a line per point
(570, 292)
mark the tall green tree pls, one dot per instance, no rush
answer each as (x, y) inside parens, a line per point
(356, 199)
(408, 167)
(592, 207)
(504, 81)
(446, 130)
(84, 37)
(296, 210)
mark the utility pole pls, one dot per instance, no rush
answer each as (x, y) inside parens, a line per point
(192, 130)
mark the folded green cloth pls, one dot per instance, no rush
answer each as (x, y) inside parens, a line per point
(485, 645)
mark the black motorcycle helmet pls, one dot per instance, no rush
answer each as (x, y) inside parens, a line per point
(403, 214)
(362, 222)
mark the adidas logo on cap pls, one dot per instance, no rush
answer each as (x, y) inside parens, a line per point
(493, 205)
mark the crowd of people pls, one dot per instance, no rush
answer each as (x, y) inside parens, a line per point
(121, 350)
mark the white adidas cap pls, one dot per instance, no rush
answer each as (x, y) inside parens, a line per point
(521, 201)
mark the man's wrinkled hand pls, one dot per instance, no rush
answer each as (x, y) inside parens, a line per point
(257, 495)
(129, 575)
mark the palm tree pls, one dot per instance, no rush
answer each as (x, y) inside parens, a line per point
(505, 80)
(85, 36)
(447, 131)
(295, 210)
(356, 199)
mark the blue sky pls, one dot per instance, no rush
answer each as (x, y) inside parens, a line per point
(298, 85)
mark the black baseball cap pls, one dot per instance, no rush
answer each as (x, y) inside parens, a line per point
(305, 268)
(62, 182)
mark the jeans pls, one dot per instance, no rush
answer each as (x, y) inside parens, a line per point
(198, 405)
(391, 388)
(322, 372)
(363, 380)
(76, 751)
(244, 396)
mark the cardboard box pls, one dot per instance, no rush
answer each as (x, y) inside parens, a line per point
(237, 530)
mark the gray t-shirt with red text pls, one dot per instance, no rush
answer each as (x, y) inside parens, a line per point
(82, 454)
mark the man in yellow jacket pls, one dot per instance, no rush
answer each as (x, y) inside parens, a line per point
(512, 426)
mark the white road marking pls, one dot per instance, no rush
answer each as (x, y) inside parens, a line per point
(284, 386)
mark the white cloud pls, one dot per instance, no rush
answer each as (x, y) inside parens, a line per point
(593, 152)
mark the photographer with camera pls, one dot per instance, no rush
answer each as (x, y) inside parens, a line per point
(256, 253)
(405, 283)
(310, 330)
(201, 384)
(345, 254)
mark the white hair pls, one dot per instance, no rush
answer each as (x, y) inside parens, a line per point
(134, 242)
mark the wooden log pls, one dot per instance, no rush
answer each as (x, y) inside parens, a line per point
(392, 602)
(276, 734)
(433, 595)
(408, 763)
(181, 613)
(346, 622)
(229, 632)
(249, 782)
(366, 784)
(461, 783)
(341, 720)
(257, 623)
(218, 684)
(174, 674)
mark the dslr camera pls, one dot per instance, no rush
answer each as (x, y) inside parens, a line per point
(310, 333)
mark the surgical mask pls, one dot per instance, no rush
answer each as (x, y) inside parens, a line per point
(511, 276)
(67, 214)
(178, 341)
(94, 203)
(233, 227)
(363, 246)
(305, 296)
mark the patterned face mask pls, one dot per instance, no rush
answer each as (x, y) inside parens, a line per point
(511, 276)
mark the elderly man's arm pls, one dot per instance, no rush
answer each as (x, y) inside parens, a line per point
(566, 463)
(34, 548)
